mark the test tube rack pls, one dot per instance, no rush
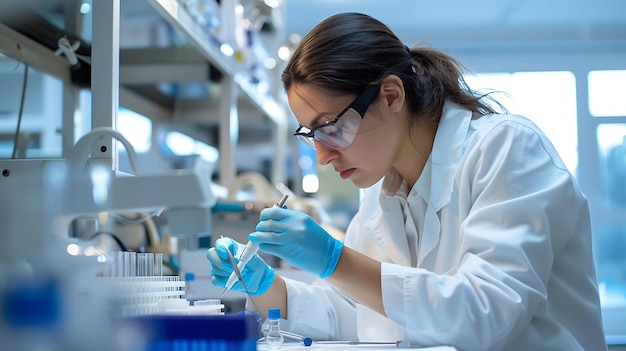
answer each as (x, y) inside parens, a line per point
(136, 286)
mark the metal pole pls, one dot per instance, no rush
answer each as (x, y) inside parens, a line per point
(105, 54)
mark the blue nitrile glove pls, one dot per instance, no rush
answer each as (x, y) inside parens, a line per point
(296, 238)
(257, 275)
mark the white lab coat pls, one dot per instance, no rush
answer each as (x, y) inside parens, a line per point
(490, 250)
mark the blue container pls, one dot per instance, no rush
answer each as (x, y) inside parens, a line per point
(199, 333)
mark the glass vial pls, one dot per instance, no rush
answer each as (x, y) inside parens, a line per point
(274, 337)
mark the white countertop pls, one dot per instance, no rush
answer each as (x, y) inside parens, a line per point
(289, 346)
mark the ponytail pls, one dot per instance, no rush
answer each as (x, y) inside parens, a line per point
(440, 78)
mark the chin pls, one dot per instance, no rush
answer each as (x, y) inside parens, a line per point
(363, 183)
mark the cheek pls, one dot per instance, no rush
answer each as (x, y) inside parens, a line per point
(377, 139)
(372, 156)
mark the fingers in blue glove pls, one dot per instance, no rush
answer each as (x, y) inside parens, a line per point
(257, 275)
(220, 266)
(277, 214)
(296, 238)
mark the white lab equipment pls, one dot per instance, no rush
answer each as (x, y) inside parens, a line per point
(248, 252)
(46, 277)
(46, 195)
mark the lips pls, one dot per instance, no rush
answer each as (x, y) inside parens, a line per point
(346, 173)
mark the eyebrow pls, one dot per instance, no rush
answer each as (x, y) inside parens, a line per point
(320, 115)
(317, 120)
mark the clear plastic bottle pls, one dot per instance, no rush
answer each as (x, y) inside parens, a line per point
(274, 337)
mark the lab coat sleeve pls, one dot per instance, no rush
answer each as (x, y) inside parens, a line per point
(517, 208)
(319, 311)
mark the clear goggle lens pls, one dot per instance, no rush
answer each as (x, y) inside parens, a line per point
(336, 135)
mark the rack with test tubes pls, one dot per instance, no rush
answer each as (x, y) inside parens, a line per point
(136, 285)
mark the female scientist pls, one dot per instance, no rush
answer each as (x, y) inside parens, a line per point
(471, 233)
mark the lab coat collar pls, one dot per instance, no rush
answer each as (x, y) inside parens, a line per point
(436, 187)
(393, 183)
(435, 183)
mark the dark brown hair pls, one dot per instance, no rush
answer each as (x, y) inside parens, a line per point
(347, 52)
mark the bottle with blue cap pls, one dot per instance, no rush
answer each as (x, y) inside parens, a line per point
(274, 337)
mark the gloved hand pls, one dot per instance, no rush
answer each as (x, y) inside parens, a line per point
(298, 239)
(257, 275)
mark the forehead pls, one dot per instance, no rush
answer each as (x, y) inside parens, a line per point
(308, 96)
(309, 102)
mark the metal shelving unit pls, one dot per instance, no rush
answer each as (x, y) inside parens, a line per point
(116, 72)
(234, 84)
(178, 16)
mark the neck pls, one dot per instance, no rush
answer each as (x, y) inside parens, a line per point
(414, 151)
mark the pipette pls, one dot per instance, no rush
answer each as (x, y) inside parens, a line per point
(248, 252)
(236, 271)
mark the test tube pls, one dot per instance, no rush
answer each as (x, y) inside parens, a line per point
(132, 264)
(119, 264)
(126, 261)
(150, 264)
(141, 264)
(158, 264)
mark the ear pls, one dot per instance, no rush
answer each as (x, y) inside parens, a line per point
(392, 92)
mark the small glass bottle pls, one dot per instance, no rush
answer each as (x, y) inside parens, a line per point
(274, 337)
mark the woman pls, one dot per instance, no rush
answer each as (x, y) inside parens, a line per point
(471, 233)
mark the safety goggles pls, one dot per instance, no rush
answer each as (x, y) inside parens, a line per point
(340, 132)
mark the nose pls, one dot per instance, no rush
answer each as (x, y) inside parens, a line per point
(324, 153)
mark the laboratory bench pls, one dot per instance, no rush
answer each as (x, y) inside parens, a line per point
(346, 347)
